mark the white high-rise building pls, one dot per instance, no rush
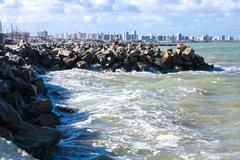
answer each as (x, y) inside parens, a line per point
(125, 36)
(179, 37)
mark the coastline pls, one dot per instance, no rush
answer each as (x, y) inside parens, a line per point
(24, 96)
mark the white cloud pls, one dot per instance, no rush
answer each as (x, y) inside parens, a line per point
(115, 12)
(87, 18)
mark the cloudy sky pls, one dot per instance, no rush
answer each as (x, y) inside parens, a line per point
(190, 17)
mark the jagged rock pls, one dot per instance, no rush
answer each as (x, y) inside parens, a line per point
(39, 107)
(66, 109)
(48, 120)
(41, 89)
(15, 59)
(181, 47)
(6, 71)
(3, 59)
(46, 59)
(102, 158)
(187, 54)
(69, 62)
(3, 87)
(81, 64)
(55, 68)
(39, 141)
(5, 133)
(87, 57)
(142, 66)
(25, 72)
(65, 53)
(9, 116)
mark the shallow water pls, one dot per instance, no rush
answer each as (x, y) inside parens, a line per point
(185, 115)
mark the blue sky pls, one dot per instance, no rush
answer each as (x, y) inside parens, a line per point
(190, 17)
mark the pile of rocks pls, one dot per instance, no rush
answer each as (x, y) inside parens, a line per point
(105, 57)
(26, 116)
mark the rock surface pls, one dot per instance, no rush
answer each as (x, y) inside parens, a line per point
(25, 119)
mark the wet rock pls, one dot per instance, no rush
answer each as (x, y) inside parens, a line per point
(48, 120)
(66, 109)
(69, 62)
(39, 107)
(6, 71)
(55, 68)
(39, 83)
(28, 91)
(15, 59)
(8, 115)
(3, 87)
(25, 72)
(5, 133)
(102, 158)
(142, 66)
(39, 141)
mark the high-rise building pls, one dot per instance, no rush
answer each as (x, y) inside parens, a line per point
(42, 34)
(134, 35)
(125, 36)
(179, 37)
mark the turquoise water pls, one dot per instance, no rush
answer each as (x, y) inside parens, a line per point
(185, 115)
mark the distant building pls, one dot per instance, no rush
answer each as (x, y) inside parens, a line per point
(145, 38)
(179, 37)
(2, 40)
(42, 34)
(126, 36)
(17, 36)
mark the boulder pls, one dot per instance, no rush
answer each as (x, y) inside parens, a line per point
(25, 89)
(5, 133)
(66, 109)
(187, 54)
(142, 66)
(48, 120)
(39, 83)
(69, 62)
(87, 57)
(39, 107)
(181, 47)
(81, 64)
(39, 141)
(9, 116)
(15, 59)
(65, 53)
(3, 87)
(6, 71)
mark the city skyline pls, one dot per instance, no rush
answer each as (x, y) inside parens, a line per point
(190, 17)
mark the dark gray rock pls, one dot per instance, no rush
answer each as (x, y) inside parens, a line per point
(39, 141)
(48, 120)
(39, 107)
(9, 116)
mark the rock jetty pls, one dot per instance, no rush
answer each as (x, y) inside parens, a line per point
(26, 116)
(100, 56)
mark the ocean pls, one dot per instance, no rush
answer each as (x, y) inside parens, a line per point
(142, 115)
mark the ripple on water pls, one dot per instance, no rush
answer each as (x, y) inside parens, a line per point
(182, 115)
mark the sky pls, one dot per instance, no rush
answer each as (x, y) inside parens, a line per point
(167, 17)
